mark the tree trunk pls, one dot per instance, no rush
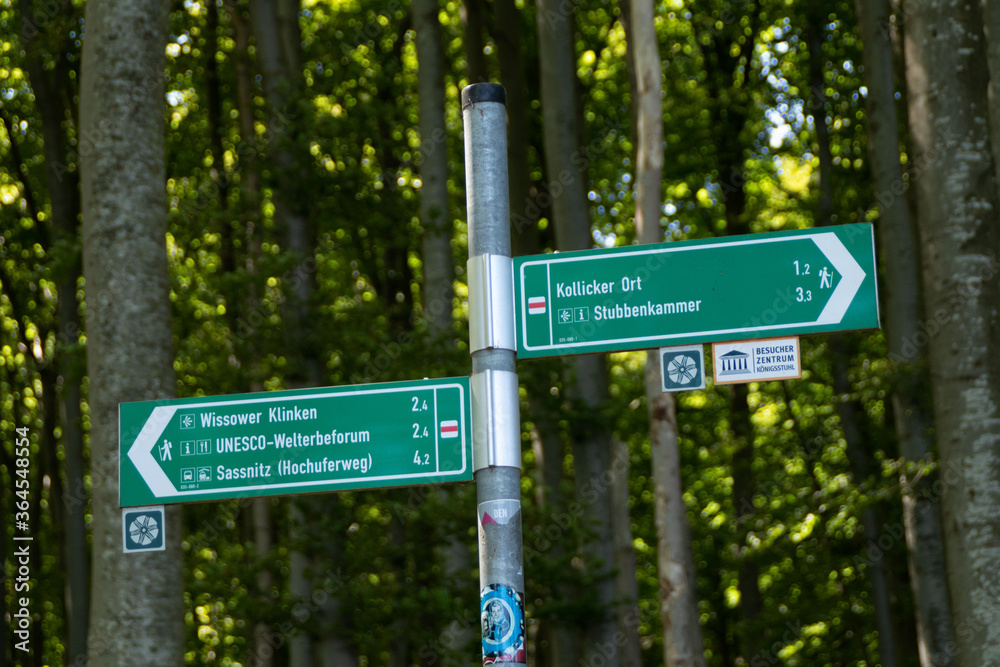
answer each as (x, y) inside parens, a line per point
(991, 28)
(592, 442)
(75, 499)
(846, 409)
(523, 211)
(400, 649)
(334, 650)
(625, 18)
(647, 97)
(300, 645)
(277, 41)
(752, 637)
(286, 13)
(472, 40)
(560, 120)
(64, 229)
(437, 260)
(277, 36)
(817, 87)
(554, 642)
(438, 263)
(6, 646)
(682, 641)
(901, 299)
(626, 584)
(960, 240)
(262, 650)
(48, 466)
(137, 607)
(731, 107)
(244, 97)
(591, 462)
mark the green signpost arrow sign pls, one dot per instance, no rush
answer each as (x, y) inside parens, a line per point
(301, 441)
(738, 287)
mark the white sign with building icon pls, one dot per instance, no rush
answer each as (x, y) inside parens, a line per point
(757, 360)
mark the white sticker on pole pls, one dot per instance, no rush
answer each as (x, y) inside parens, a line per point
(757, 360)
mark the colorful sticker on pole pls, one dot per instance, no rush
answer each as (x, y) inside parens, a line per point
(502, 617)
(498, 511)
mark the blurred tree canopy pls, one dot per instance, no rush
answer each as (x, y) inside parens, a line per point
(296, 256)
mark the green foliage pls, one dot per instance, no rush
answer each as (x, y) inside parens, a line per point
(741, 155)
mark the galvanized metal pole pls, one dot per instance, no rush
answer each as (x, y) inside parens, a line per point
(495, 404)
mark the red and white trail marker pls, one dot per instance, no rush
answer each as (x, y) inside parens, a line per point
(536, 305)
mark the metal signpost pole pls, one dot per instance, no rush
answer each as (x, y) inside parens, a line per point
(495, 405)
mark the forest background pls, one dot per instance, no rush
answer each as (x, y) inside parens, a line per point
(206, 198)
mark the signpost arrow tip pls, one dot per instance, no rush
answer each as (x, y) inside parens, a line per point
(851, 277)
(141, 452)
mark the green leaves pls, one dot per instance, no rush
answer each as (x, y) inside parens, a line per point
(740, 127)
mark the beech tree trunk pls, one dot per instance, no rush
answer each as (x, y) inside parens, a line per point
(437, 261)
(276, 58)
(472, 40)
(957, 214)
(261, 653)
(278, 40)
(592, 442)
(682, 641)
(523, 211)
(847, 410)
(64, 227)
(902, 308)
(731, 105)
(817, 87)
(991, 28)
(137, 611)
(752, 637)
(626, 584)
(553, 642)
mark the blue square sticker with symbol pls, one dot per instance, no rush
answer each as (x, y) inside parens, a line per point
(143, 529)
(682, 367)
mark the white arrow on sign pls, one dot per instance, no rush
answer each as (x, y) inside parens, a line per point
(141, 452)
(851, 277)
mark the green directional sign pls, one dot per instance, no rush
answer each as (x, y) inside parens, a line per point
(301, 441)
(738, 287)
